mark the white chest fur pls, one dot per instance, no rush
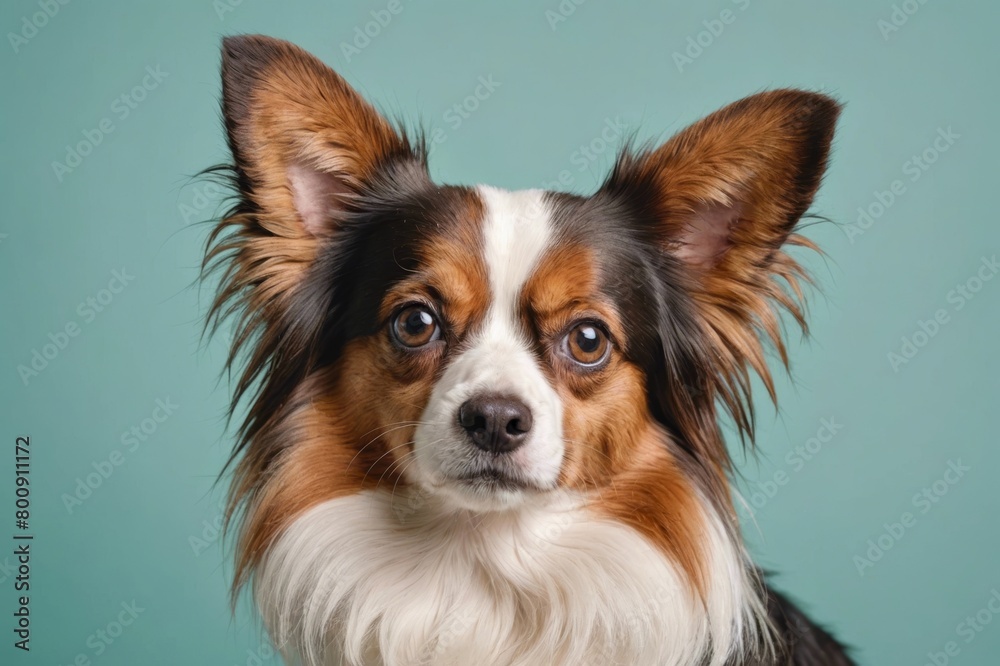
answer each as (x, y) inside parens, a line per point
(368, 579)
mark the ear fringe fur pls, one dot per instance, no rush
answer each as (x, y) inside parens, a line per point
(256, 273)
(779, 140)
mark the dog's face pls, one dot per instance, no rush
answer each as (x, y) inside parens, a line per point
(507, 337)
(485, 346)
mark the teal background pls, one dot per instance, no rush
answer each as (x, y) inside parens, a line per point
(130, 204)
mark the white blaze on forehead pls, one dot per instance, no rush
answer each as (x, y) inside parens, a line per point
(497, 358)
(516, 232)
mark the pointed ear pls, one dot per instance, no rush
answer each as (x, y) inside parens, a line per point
(722, 197)
(729, 189)
(306, 148)
(303, 141)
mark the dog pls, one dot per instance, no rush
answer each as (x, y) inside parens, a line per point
(482, 426)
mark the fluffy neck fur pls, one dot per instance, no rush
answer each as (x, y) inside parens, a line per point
(401, 580)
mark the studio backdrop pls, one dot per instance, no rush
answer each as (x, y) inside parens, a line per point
(873, 489)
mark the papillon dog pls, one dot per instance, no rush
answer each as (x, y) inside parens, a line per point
(482, 426)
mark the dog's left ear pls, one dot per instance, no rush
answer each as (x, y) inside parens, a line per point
(721, 198)
(727, 191)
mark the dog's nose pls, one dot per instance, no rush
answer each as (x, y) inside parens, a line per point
(495, 423)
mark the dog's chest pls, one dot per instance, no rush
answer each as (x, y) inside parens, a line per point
(367, 579)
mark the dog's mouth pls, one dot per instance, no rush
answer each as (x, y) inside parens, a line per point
(494, 479)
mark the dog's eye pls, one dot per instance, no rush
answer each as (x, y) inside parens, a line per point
(415, 326)
(587, 345)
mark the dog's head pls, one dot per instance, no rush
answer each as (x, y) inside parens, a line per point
(485, 346)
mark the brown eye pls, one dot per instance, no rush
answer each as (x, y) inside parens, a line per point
(587, 345)
(415, 326)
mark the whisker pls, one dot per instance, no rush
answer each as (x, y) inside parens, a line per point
(400, 425)
(402, 471)
(372, 466)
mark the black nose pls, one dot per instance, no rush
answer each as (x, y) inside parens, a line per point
(495, 423)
